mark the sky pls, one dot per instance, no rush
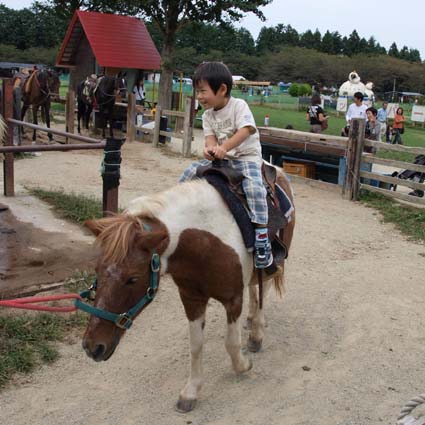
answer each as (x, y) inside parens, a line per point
(386, 20)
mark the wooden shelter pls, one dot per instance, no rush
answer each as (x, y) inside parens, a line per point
(106, 43)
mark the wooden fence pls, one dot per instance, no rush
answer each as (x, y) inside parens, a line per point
(183, 124)
(110, 194)
(355, 165)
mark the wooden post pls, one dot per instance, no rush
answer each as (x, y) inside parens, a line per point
(8, 163)
(187, 128)
(70, 112)
(354, 152)
(361, 127)
(111, 175)
(131, 117)
(157, 124)
(110, 201)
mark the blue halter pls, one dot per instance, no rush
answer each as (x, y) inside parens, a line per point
(124, 320)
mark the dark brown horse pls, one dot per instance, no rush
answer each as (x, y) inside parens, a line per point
(38, 90)
(85, 101)
(188, 232)
(104, 100)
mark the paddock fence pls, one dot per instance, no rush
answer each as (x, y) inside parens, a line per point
(109, 192)
(351, 167)
(179, 124)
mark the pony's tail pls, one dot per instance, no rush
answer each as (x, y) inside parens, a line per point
(278, 281)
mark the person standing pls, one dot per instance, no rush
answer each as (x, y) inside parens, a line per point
(139, 92)
(382, 119)
(316, 115)
(356, 109)
(373, 128)
(398, 126)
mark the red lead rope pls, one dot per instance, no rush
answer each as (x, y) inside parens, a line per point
(30, 303)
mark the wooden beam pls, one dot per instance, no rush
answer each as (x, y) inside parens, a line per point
(392, 163)
(157, 124)
(131, 117)
(393, 180)
(187, 128)
(395, 148)
(394, 195)
(8, 162)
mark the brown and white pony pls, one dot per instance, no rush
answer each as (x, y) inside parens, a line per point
(200, 245)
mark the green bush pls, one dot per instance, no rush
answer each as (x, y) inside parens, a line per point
(304, 90)
(294, 90)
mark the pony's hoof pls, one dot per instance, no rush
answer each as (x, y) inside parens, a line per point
(184, 406)
(253, 345)
(248, 324)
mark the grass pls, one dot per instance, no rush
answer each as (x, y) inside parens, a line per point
(27, 341)
(409, 220)
(74, 207)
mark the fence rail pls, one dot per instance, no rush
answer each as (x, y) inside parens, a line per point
(357, 170)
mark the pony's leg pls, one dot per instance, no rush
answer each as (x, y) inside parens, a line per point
(47, 114)
(35, 121)
(256, 317)
(89, 109)
(79, 111)
(252, 305)
(233, 343)
(23, 112)
(189, 394)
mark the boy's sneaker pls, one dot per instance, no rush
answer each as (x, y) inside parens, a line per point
(263, 253)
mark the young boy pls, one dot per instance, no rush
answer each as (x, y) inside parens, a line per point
(230, 133)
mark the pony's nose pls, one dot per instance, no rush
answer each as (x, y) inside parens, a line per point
(96, 353)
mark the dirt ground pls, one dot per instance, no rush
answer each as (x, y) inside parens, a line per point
(344, 347)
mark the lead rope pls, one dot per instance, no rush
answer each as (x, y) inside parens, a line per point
(403, 419)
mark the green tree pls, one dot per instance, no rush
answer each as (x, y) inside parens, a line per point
(393, 50)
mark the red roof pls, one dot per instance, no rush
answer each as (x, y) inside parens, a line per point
(117, 41)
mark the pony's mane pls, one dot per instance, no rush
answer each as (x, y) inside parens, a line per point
(151, 206)
(117, 236)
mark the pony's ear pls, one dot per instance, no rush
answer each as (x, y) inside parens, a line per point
(155, 241)
(95, 226)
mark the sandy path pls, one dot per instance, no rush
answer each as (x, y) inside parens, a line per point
(353, 315)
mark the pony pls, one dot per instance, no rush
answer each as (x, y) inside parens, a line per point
(84, 101)
(104, 96)
(188, 232)
(38, 90)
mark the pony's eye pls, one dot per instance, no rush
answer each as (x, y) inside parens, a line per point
(131, 281)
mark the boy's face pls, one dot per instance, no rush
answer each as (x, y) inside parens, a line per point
(208, 99)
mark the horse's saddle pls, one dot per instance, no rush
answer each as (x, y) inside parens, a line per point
(228, 182)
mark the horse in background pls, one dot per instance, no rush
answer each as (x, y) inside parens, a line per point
(104, 99)
(188, 232)
(38, 91)
(85, 101)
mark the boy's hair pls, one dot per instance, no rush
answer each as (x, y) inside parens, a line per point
(358, 95)
(215, 74)
(373, 110)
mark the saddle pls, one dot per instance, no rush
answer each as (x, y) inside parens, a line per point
(228, 182)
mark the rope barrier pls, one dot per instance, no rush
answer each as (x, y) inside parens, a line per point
(409, 406)
(31, 303)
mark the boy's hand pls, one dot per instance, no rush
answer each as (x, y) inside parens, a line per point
(219, 152)
(209, 153)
